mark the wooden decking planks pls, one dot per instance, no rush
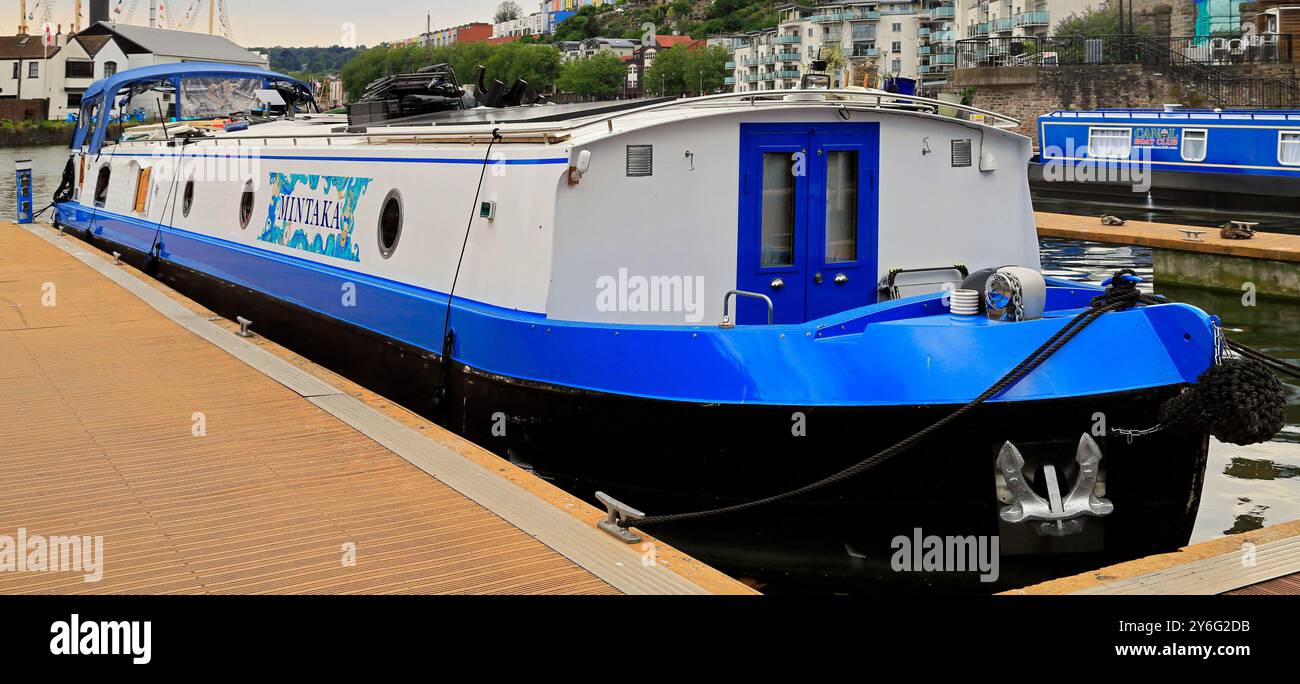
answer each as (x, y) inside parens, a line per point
(1275, 246)
(101, 393)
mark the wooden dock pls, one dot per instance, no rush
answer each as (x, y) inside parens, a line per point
(1262, 562)
(1268, 261)
(210, 463)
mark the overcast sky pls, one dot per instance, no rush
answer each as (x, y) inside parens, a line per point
(300, 23)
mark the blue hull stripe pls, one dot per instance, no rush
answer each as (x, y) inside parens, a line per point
(895, 353)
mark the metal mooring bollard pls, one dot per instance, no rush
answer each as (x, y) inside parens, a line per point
(23, 186)
(243, 326)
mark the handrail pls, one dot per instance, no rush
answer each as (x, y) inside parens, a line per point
(726, 306)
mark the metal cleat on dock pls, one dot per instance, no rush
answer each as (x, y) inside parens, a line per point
(1191, 235)
(1056, 517)
(243, 326)
(618, 512)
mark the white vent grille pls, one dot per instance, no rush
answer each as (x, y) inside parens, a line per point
(960, 153)
(640, 160)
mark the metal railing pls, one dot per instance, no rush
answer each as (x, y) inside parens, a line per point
(1121, 49)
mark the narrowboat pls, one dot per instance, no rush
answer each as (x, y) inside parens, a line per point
(685, 304)
(1215, 159)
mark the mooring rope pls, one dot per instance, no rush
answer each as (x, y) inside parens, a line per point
(1121, 294)
(1238, 401)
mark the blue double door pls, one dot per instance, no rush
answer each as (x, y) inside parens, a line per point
(808, 219)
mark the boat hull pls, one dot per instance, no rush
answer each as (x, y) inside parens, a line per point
(675, 456)
(1200, 189)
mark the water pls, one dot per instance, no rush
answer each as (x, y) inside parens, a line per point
(47, 171)
(1246, 487)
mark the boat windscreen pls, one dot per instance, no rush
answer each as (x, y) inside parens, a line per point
(210, 97)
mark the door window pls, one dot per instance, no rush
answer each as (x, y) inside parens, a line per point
(777, 244)
(841, 206)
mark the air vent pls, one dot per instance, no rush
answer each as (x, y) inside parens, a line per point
(640, 160)
(960, 153)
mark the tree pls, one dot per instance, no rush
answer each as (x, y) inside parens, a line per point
(507, 11)
(1094, 23)
(680, 70)
(539, 65)
(601, 75)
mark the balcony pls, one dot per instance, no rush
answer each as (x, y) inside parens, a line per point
(938, 13)
(730, 80)
(789, 39)
(862, 51)
(1033, 19)
(731, 65)
(788, 73)
(788, 57)
(1003, 24)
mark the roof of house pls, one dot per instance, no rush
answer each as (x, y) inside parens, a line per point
(182, 44)
(25, 47)
(93, 44)
(670, 41)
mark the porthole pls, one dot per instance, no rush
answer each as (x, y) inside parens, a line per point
(246, 205)
(390, 224)
(187, 202)
(101, 185)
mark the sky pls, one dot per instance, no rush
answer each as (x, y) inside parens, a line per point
(263, 23)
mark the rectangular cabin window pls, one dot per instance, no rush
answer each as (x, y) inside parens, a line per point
(1194, 144)
(1109, 143)
(777, 239)
(142, 190)
(841, 206)
(1288, 148)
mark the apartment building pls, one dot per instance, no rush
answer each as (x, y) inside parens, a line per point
(1017, 18)
(540, 23)
(863, 42)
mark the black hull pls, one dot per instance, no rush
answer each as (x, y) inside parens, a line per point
(1226, 192)
(667, 457)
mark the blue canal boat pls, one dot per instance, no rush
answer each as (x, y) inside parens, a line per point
(1226, 159)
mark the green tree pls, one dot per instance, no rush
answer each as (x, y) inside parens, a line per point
(1094, 23)
(601, 75)
(680, 70)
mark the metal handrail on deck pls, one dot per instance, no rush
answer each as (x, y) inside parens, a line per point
(726, 306)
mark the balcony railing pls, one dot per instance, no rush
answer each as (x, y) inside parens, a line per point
(789, 39)
(788, 73)
(788, 57)
(1033, 19)
(730, 80)
(1003, 24)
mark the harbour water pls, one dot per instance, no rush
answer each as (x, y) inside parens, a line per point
(1246, 488)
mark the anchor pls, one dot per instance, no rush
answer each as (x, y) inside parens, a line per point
(1056, 517)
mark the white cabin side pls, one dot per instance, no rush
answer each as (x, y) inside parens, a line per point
(683, 221)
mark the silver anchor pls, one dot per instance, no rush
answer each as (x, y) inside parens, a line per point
(1057, 517)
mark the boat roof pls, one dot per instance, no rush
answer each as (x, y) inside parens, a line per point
(1262, 116)
(159, 72)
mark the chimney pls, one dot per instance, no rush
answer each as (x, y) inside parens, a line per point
(98, 11)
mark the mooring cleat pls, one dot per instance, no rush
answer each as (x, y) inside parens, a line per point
(1056, 517)
(618, 512)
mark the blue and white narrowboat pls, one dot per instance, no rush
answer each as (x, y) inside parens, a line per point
(686, 304)
(1224, 159)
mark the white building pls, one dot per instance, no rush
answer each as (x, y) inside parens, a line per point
(863, 41)
(61, 72)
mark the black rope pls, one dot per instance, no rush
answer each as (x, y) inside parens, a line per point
(447, 335)
(1121, 294)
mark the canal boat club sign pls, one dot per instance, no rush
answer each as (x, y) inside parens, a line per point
(1155, 136)
(314, 213)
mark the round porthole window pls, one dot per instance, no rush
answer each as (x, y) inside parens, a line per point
(246, 205)
(390, 224)
(187, 201)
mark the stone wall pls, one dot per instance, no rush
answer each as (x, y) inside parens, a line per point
(1025, 93)
(1164, 17)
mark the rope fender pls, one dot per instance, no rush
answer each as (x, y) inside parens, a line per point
(1238, 401)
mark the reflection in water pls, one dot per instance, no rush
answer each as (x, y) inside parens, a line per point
(1246, 488)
